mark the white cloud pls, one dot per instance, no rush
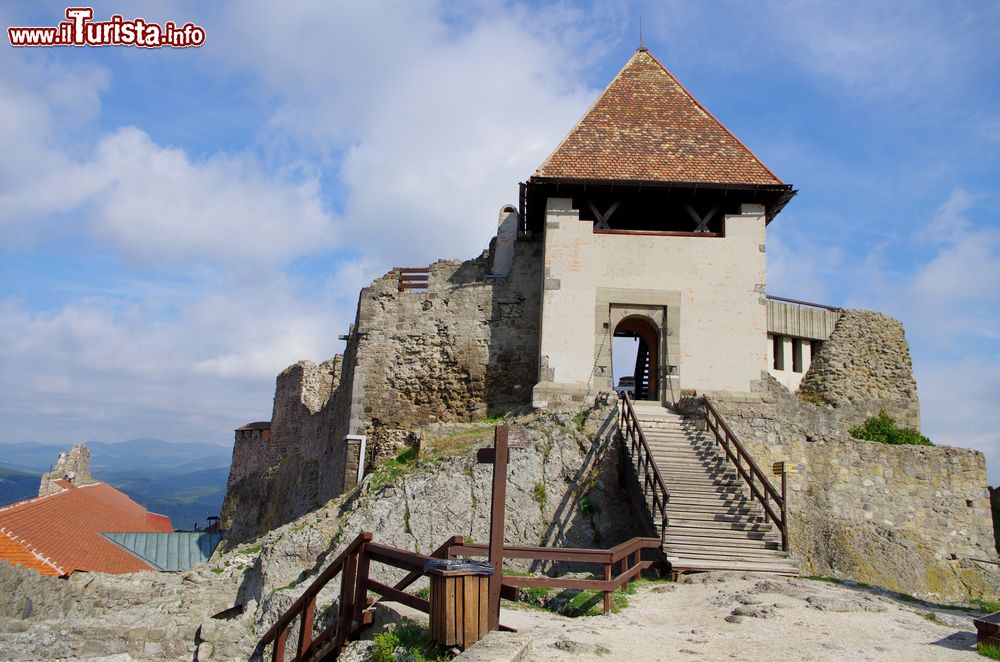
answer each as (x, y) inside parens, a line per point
(950, 305)
(434, 125)
(425, 129)
(101, 368)
(958, 406)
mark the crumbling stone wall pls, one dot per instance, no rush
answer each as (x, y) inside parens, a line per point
(914, 519)
(465, 348)
(278, 478)
(73, 466)
(865, 364)
(460, 351)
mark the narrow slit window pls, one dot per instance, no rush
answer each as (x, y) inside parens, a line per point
(778, 351)
(796, 355)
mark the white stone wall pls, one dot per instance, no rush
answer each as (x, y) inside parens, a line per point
(719, 282)
(787, 376)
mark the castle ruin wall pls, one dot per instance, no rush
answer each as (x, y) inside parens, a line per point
(463, 349)
(914, 519)
(865, 364)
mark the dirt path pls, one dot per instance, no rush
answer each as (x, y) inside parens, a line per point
(769, 619)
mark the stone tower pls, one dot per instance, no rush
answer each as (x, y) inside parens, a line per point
(73, 467)
(653, 216)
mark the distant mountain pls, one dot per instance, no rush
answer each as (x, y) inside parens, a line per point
(16, 485)
(185, 481)
(144, 452)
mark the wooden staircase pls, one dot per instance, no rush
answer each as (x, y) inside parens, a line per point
(713, 523)
(641, 371)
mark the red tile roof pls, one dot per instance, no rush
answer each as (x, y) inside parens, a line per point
(646, 127)
(60, 533)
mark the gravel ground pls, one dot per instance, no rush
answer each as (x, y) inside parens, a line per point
(719, 616)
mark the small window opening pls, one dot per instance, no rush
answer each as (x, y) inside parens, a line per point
(779, 352)
(814, 348)
(796, 355)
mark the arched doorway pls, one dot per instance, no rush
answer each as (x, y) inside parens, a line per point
(646, 358)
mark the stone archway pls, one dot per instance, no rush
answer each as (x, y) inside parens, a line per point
(647, 357)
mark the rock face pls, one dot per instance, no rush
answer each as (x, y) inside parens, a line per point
(220, 609)
(73, 467)
(914, 519)
(562, 466)
(146, 615)
(865, 365)
(465, 348)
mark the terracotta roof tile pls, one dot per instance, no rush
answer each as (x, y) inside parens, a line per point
(16, 552)
(64, 528)
(646, 127)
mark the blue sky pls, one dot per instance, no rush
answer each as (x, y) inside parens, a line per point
(176, 226)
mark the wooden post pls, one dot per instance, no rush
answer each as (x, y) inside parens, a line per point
(306, 627)
(607, 594)
(346, 616)
(497, 512)
(278, 653)
(784, 510)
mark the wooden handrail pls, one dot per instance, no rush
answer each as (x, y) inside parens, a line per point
(353, 566)
(758, 482)
(641, 457)
(627, 555)
(568, 554)
(324, 578)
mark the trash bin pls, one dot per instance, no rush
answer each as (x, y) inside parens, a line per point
(460, 593)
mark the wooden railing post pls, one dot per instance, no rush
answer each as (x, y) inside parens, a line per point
(784, 513)
(607, 594)
(278, 653)
(306, 626)
(347, 585)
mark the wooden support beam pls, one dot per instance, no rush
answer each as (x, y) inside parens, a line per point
(602, 219)
(701, 221)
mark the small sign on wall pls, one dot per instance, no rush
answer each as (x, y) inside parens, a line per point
(787, 468)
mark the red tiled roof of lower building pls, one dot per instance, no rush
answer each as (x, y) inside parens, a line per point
(65, 528)
(646, 127)
(17, 553)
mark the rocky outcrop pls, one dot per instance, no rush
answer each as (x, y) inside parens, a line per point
(219, 610)
(865, 365)
(73, 467)
(561, 466)
(913, 519)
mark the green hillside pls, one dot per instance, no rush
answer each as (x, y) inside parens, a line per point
(16, 485)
